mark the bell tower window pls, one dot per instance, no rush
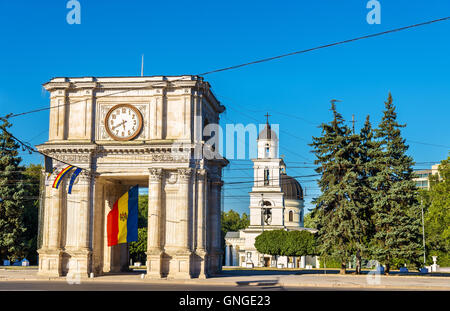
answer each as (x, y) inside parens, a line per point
(267, 150)
(266, 176)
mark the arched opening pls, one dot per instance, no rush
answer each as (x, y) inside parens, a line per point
(266, 213)
(291, 216)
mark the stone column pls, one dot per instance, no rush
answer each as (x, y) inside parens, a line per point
(184, 176)
(303, 262)
(154, 249)
(227, 255)
(184, 252)
(50, 255)
(235, 256)
(214, 229)
(81, 257)
(201, 222)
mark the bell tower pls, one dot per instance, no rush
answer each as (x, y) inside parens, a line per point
(266, 198)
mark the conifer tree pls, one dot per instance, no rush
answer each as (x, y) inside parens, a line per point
(12, 192)
(370, 150)
(396, 212)
(344, 220)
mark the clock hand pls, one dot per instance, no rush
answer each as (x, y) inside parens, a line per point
(123, 123)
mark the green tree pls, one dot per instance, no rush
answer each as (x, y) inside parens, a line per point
(344, 219)
(310, 221)
(299, 243)
(437, 214)
(396, 212)
(369, 152)
(271, 242)
(138, 249)
(32, 176)
(232, 221)
(142, 211)
(12, 193)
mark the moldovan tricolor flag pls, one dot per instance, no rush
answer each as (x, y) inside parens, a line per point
(123, 219)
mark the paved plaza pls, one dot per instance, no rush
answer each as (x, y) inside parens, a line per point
(19, 279)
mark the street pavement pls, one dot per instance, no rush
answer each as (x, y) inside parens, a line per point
(230, 280)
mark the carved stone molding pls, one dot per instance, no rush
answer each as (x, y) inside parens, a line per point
(184, 174)
(85, 176)
(201, 173)
(172, 177)
(155, 174)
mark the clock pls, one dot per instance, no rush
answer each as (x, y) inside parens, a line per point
(123, 122)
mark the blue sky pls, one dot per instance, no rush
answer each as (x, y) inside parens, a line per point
(190, 37)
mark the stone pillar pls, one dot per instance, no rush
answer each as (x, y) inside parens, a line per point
(227, 255)
(183, 254)
(234, 257)
(201, 250)
(50, 255)
(317, 262)
(214, 231)
(154, 249)
(303, 262)
(82, 255)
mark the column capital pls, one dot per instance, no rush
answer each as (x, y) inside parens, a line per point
(85, 176)
(155, 174)
(201, 173)
(184, 174)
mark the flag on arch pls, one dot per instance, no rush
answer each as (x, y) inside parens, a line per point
(72, 179)
(122, 221)
(61, 175)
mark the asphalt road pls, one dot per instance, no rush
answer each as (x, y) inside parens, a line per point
(122, 286)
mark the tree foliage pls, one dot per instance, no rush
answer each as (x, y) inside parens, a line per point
(271, 242)
(341, 209)
(142, 211)
(12, 193)
(310, 221)
(232, 221)
(286, 243)
(299, 243)
(368, 203)
(32, 177)
(138, 249)
(437, 215)
(396, 212)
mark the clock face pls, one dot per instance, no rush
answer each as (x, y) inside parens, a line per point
(123, 122)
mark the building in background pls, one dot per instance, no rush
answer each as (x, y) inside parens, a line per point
(421, 177)
(276, 202)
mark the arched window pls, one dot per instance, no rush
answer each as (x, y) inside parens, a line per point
(266, 213)
(267, 150)
(291, 216)
(266, 176)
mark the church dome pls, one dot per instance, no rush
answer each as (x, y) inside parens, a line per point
(291, 188)
(267, 133)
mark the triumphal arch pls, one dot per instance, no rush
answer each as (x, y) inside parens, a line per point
(124, 131)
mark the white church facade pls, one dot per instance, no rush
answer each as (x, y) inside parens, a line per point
(276, 202)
